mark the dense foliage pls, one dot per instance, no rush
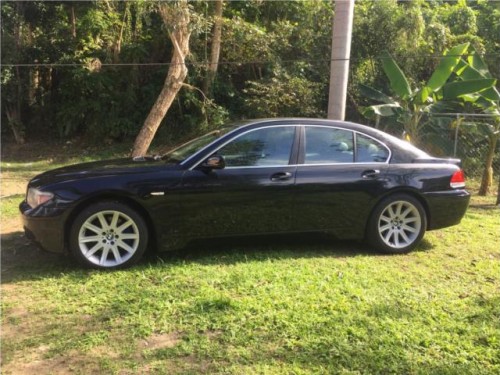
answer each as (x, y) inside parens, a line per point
(95, 68)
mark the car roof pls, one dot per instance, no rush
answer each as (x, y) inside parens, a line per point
(306, 121)
(249, 124)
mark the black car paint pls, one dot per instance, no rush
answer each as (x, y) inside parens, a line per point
(187, 201)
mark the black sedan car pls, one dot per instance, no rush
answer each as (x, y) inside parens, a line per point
(257, 177)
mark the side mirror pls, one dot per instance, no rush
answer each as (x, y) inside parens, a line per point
(214, 162)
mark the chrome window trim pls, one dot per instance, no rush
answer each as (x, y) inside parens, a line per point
(239, 135)
(287, 165)
(305, 165)
(333, 164)
(263, 166)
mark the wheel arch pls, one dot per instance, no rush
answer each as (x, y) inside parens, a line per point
(114, 197)
(408, 191)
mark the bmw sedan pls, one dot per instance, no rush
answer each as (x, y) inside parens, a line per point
(257, 177)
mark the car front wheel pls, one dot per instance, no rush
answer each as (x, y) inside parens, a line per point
(397, 224)
(108, 235)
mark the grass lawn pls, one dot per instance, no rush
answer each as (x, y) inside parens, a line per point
(267, 306)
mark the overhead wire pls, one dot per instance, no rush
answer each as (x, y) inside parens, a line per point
(198, 63)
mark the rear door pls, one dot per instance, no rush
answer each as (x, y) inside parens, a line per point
(339, 177)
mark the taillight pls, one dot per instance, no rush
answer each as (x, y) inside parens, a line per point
(458, 179)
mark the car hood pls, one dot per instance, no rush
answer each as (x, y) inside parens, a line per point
(101, 169)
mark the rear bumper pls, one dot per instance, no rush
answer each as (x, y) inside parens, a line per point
(446, 208)
(45, 231)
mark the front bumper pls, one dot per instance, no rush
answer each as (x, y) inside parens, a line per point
(45, 231)
(446, 208)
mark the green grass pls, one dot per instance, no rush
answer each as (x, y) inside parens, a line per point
(9, 206)
(268, 306)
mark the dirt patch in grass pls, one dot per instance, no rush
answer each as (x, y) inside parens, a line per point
(161, 341)
(11, 225)
(212, 334)
(36, 363)
(169, 340)
(11, 185)
(17, 319)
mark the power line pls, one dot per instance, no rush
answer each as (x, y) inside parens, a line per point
(197, 63)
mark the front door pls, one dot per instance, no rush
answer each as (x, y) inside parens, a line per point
(252, 194)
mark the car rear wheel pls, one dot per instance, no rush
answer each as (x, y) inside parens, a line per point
(108, 235)
(397, 224)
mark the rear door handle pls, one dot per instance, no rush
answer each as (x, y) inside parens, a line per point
(370, 173)
(281, 176)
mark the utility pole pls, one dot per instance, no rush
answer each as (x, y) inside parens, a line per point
(341, 52)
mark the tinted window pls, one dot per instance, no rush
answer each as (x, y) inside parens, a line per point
(328, 145)
(267, 146)
(370, 151)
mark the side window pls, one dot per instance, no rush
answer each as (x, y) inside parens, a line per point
(328, 145)
(261, 147)
(370, 151)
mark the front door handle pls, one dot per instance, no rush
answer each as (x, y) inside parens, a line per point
(281, 176)
(370, 173)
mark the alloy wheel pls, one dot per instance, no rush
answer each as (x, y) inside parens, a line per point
(108, 238)
(399, 224)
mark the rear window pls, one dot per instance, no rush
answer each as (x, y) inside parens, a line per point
(369, 150)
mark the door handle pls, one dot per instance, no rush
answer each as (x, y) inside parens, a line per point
(281, 176)
(370, 173)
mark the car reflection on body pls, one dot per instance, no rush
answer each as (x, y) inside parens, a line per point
(257, 177)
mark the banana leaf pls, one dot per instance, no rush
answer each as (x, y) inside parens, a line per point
(381, 110)
(478, 63)
(446, 66)
(371, 93)
(397, 78)
(454, 90)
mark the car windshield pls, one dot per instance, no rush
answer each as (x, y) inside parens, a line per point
(180, 153)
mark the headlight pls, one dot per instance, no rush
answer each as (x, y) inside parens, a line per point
(36, 197)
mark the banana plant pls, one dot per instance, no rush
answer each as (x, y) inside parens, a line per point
(454, 82)
(487, 101)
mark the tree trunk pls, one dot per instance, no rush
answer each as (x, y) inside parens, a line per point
(14, 119)
(215, 51)
(412, 129)
(73, 21)
(32, 72)
(341, 51)
(14, 110)
(117, 45)
(176, 18)
(34, 85)
(487, 179)
(498, 192)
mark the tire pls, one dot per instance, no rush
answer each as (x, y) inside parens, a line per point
(397, 224)
(108, 235)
